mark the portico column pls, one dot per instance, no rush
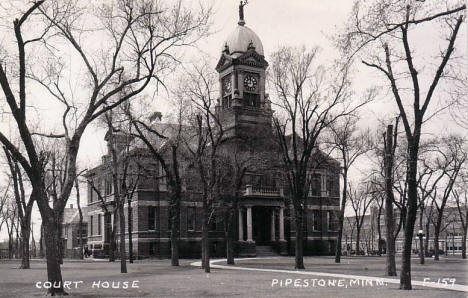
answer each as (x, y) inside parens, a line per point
(103, 226)
(249, 223)
(281, 224)
(273, 236)
(241, 226)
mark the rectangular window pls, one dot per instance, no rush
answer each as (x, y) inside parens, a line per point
(108, 185)
(162, 179)
(99, 224)
(212, 222)
(251, 100)
(91, 230)
(330, 184)
(169, 219)
(227, 101)
(151, 218)
(323, 186)
(90, 192)
(332, 221)
(316, 220)
(315, 184)
(191, 218)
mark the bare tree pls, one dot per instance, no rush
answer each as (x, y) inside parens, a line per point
(428, 181)
(460, 195)
(33, 242)
(141, 37)
(80, 221)
(169, 157)
(390, 145)
(10, 215)
(387, 24)
(450, 162)
(4, 192)
(310, 101)
(24, 208)
(350, 145)
(360, 199)
(107, 214)
(204, 142)
(234, 164)
(117, 177)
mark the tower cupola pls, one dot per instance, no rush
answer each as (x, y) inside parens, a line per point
(243, 104)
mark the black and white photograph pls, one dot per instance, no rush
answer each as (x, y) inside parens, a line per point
(227, 148)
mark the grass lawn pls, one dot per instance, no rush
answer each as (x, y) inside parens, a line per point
(156, 278)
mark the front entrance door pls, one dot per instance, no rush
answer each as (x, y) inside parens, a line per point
(261, 221)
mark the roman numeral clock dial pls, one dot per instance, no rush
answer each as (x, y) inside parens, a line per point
(250, 83)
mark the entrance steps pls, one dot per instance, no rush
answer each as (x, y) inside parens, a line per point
(264, 251)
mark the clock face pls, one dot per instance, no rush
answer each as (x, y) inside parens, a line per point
(227, 85)
(250, 82)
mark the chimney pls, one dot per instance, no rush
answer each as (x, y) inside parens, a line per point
(71, 206)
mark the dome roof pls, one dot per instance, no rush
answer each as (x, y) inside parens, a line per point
(240, 38)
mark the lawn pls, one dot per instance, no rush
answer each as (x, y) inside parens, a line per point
(156, 278)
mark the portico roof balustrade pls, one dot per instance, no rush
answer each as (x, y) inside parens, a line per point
(262, 191)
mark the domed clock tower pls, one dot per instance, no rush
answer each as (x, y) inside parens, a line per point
(243, 106)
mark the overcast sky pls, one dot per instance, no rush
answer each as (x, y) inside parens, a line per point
(276, 22)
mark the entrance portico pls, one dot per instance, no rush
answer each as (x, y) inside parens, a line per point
(261, 222)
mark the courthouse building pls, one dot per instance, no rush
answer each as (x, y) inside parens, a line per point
(264, 219)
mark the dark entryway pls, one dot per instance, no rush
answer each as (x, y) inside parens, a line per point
(261, 222)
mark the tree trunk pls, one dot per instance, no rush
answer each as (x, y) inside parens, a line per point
(379, 232)
(25, 234)
(130, 238)
(358, 236)
(421, 241)
(299, 249)
(54, 273)
(112, 245)
(465, 230)
(421, 250)
(389, 198)
(41, 242)
(33, 241)
(428, 233)
(405, 276)
(436, 243)
(205, 242)
(58, 231)
(341, 219)
(230, 249)
(80, 222)
(229, 234)
(175, 236)
(464, 245)
(18, 245)
(123, 258)
(175, 222)
(436, 235)
(10, 246)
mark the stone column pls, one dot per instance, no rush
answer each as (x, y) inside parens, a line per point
(249, 224)
(241, 226)
(273, 236)
(281, 224)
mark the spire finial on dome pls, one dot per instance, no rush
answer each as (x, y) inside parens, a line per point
(241, 12)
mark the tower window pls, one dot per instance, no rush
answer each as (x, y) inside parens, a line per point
(251, 100)
(227, 101)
